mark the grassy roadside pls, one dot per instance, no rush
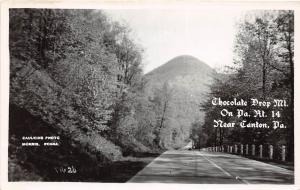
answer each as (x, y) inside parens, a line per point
(86, 171)
(123, 170)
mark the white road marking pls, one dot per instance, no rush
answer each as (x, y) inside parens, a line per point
(245, 181)
(214, 164)
(225, 172)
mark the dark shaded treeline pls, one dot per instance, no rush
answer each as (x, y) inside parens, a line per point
(77, 74)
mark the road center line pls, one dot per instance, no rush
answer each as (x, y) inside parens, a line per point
(225, 172)
(214, 164)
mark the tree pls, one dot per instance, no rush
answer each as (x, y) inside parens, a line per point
(264, 70)
(161, 104)
(74, 70)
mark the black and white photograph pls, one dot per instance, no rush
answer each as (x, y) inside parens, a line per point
(151, 95)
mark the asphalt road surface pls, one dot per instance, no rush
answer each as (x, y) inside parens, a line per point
(183, 166)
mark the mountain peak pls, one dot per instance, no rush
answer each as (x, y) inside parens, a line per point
(185, 58)
(188, 80)
(180, 66)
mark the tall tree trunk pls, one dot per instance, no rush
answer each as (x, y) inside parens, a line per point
(264, 79)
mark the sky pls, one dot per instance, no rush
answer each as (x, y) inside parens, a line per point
(206, 34)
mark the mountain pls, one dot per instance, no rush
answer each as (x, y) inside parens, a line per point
(185, 73)
(187, 79)
(181, 66)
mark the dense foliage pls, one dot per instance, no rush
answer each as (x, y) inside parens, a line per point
(177, 88)
(264, 69)
(76, 74)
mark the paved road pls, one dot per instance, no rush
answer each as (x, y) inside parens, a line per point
(182, 166)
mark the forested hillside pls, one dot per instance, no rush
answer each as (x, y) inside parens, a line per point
(76, 74)
(183, 84)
